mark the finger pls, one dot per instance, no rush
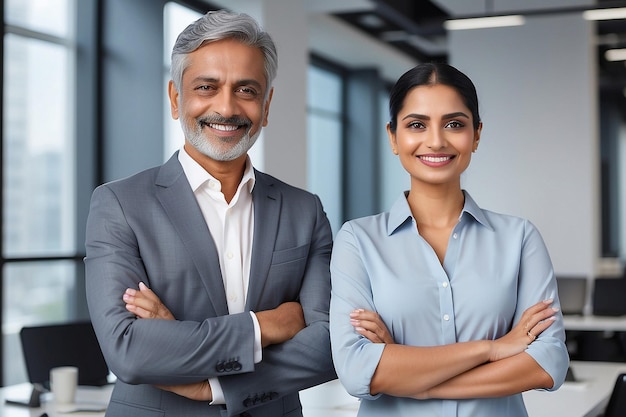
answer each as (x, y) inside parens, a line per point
(536, 308)
(142, 313)
(541, 316)
(146, 291)
(543, 325)
(371, 336)
(142, 302)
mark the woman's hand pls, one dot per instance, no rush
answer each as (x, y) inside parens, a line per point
(370, 325)
(145, 304)
(198, 391)
(533, 322)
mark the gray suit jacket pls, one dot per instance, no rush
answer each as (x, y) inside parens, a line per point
(149, 228)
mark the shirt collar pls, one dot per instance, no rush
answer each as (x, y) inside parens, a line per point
(400, 213)
(197, 176)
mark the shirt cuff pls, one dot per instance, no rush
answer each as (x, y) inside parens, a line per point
(216, 392)
(258, 348)
(214, 383)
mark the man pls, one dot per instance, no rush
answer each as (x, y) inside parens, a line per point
(239, 258)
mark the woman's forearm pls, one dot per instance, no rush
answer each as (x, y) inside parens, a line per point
(509, 376)
(406, 371)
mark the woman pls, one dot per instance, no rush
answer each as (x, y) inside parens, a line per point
(440, 308)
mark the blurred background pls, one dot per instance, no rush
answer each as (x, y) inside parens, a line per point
(84, 102)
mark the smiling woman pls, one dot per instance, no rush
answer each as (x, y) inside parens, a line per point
(409, 318)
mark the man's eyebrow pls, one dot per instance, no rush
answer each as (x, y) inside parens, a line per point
(445, 116)
(245, 81)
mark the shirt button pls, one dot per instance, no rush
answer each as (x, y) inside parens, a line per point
(213, 185)
(455, 235)
(444, 285)
(229, 255)
(446, 317)
(232, 297)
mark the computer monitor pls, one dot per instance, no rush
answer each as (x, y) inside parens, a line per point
(572, 293)
(67, 344)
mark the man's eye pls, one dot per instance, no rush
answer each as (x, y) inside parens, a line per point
(247, 91)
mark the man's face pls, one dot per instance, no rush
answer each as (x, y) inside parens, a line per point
(222, 104)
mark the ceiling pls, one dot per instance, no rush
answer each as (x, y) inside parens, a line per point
(416, 27)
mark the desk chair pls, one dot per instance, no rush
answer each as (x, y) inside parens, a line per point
(617, 403)
(67, 344)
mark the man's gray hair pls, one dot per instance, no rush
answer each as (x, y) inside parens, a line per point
(218, 25)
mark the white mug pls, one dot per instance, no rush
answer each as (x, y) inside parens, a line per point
(63, 383)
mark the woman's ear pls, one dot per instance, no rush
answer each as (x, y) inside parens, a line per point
(477, 136)
(392, 139)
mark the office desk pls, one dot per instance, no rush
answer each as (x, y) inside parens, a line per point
(90, 398)
(585, 398)
(595, 323)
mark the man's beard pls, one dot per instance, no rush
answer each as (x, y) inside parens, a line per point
(196, 137)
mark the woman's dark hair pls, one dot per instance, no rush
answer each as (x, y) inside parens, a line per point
(433, 73)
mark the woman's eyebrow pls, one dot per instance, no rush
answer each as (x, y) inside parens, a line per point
(445, 116)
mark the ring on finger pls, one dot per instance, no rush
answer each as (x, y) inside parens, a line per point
(532, 336)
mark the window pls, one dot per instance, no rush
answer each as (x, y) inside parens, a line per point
(38, 160)
(176, 18)
(325, 140)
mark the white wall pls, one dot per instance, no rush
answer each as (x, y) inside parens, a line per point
(539, 152)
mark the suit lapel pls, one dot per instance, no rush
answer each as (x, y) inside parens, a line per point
(175, 194)
(267, 203)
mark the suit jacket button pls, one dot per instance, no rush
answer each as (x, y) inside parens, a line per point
(220, 366)
(237, 366)
(228, 366)
(247, 402)
(273, 395)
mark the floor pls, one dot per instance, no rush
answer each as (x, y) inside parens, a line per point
(328, 400)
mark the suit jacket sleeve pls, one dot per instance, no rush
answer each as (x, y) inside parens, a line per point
(159, 236)
(120, 254)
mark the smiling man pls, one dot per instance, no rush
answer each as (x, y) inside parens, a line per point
(208, 281)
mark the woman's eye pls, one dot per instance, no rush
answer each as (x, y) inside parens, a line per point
(415, 125)
(455, 124)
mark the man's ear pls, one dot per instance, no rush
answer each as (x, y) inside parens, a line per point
(266, 107)
(173, 95)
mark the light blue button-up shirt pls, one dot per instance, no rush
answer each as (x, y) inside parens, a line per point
(495, 267)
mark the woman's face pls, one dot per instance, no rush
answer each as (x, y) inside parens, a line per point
(434, 138)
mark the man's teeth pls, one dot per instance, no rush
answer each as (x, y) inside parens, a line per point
(435, 158)
(225, 128)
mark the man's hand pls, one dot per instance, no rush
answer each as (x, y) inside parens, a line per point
(145, 304)
(280, 324)
(199, 391)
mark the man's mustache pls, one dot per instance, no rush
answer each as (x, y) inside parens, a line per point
(217, 119)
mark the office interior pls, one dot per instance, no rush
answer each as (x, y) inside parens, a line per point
(84, 102)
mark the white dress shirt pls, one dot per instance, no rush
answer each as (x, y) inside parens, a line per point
(232, 228)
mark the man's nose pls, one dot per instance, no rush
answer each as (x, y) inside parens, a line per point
(226, 104)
